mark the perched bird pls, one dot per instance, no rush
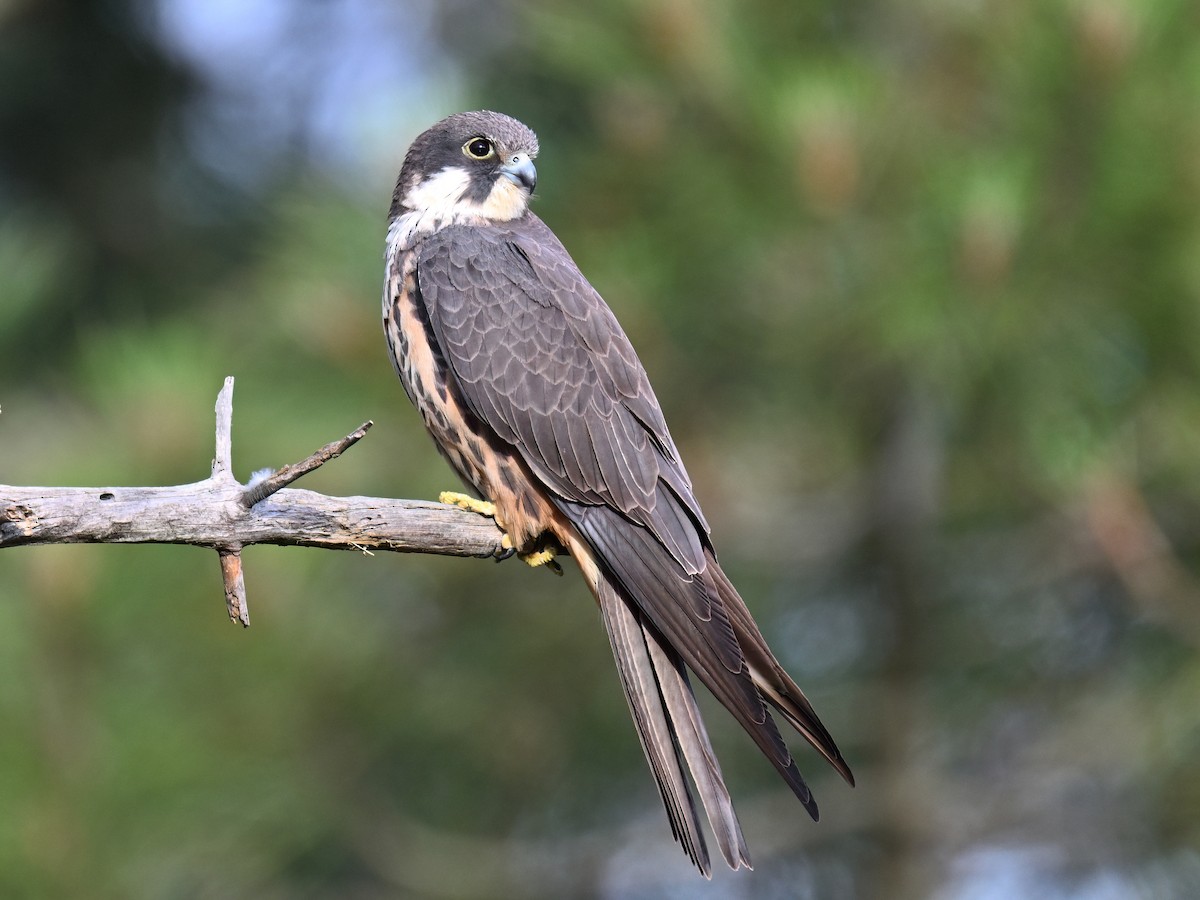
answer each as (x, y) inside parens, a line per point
(535, 396)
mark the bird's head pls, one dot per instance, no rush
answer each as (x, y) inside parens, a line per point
(471, 164)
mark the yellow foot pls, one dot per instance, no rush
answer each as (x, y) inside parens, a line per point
(535, 558)
(539, 557)
(543, 557)
(467, 502)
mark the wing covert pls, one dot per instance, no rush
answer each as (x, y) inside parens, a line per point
(541, 360)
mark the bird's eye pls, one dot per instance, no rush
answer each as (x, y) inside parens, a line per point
(479, 148)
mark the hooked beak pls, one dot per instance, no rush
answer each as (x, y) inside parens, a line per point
(520, 171)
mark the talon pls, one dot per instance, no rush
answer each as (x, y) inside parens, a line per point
(506, 549)
(469, 503)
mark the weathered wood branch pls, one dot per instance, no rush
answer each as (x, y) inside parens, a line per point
(225, 515)
(211, 515)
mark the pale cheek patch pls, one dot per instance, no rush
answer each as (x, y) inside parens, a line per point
(438, 201)
(431, 204)
(440, 195)
(506, 201)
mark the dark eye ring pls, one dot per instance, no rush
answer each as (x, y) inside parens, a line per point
(478, 148)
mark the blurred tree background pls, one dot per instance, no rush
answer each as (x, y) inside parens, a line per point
(919, 288)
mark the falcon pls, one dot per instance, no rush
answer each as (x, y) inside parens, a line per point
(534, 395)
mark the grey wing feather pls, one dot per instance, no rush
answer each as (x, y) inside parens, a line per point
(775, 684)
(540, 359)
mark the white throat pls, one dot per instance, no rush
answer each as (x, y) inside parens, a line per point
(439, 201)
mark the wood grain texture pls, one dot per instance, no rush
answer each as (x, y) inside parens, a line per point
(210, 513)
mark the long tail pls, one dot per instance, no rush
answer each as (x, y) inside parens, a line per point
(668, 724)
(696, 618)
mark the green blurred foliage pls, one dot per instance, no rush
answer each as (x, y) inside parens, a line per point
(919, 289)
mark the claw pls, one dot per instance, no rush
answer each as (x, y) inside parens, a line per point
(506, 548)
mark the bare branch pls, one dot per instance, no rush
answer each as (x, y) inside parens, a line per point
(235, 587)
(221, 514)
(223, 461)
(285, 476)
(211, 515)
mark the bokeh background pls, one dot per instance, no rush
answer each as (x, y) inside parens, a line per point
(919, 287)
